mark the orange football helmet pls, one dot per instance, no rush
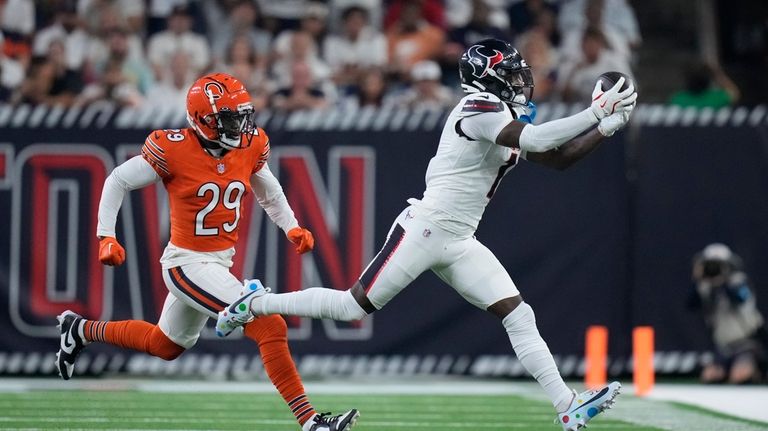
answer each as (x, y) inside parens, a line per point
(219, 109)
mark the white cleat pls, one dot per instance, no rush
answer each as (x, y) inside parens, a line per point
(586, 405)
(239, 312)
(326, 422)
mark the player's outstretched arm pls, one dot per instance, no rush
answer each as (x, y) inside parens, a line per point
(569, 153)
(133, 174)
(552, 134)
(269, 194)
(579, 147)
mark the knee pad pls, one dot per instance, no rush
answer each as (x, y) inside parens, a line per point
(161, 346)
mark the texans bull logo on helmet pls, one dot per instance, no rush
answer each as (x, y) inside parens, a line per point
(482, 62)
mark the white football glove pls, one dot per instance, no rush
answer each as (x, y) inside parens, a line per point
(614, 122)
(605, 103)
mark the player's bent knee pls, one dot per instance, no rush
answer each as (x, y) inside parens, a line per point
(162, 346)
(505, 306)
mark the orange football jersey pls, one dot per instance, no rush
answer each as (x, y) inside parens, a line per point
(205, 192)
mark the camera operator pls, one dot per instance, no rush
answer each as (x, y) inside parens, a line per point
(737, 329)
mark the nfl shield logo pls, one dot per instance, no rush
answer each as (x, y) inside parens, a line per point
(220, 168)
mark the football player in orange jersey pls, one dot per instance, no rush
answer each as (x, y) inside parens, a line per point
(205, 169)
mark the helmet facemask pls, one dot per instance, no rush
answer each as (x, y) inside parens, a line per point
(232, 126)
(518, 85)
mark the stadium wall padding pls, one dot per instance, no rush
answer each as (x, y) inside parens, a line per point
(606, 242)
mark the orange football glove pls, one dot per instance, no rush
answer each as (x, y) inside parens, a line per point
(111, 252)
(302, 238)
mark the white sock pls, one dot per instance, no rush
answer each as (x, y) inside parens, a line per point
(317, 302)
(535, 356)
(81, 331)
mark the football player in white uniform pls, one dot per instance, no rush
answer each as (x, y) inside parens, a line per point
(485, 135)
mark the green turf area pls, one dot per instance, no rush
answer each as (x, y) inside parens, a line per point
(145, 410)
(706, 412)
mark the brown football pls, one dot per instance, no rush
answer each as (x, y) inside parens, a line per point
(611, 78)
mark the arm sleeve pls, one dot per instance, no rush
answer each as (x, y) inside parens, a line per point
(269, 194)
(133, 174)
(544, 137)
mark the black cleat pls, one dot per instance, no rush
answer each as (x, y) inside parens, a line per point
(325, 422)
(70, 344)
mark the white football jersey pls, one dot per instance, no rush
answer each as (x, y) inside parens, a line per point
(469, 165)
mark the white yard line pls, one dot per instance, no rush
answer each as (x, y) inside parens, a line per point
(669, 417)
(750, 402)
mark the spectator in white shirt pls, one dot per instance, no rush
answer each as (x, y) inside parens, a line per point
(17, 22)
(67, 29)
(580, 75)
(131, 12)
(173, 90)
(615, 18)
(242, 22)
(301, 49)
(312, 23)
(107, 20)
(358, 48)
(178, 37)
(302, 93)
(426, 91)
(134, 69)
(11, 75)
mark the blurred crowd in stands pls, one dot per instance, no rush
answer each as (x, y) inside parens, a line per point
(298, 54)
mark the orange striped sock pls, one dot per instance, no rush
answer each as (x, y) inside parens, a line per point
(271, 333)
(132, 334)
